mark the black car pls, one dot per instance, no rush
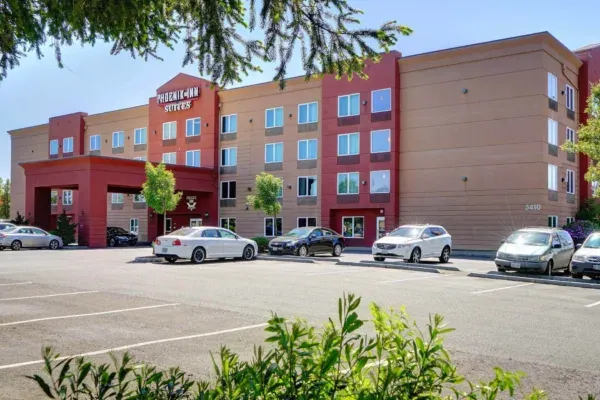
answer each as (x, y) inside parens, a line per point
(308, 241)
(117, 236)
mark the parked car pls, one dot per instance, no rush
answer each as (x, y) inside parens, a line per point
(308, 241)
(536, 250)
(117, 236)
(6, 225)
(28, 236)
(413, 243)
(586, 260)
(200, 243)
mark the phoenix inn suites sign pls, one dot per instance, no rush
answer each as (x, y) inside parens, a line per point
(178, 99)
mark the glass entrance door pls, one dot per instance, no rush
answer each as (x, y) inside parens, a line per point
(380, 227)
(195, 222)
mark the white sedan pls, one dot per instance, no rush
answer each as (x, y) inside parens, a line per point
(413, 243)
(199, 243)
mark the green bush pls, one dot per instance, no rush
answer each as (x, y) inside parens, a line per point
(262, 242)
(65, 229)
(399, 361)
(590, 211)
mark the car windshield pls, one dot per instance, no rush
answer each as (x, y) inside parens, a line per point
(182, 232)
(118, 231)
(530, 238)
(407, 232)
(299, 232)
(593, 242)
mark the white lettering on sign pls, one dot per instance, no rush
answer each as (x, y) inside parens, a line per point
(533, 207)
(178, 95)
(184, 105)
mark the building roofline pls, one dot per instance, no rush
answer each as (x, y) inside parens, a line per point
(586, 48)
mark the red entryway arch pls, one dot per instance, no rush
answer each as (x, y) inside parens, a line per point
(96, 176)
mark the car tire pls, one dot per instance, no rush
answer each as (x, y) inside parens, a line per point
(415, 256)
(54, 245)
(576, 276)
(198, 255)
(501, 269)
(337, 250)
(303, 251)
(132, 244)
(549, 268)
(16, 245)
(171, 260)
(1, 248)
(112, 242)
(379, 259)
(445, 256)
(248, 253)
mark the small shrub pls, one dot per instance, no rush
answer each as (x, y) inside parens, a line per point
(20, 220)
(65, 229)
(262, 242)
(590, 211)
(580, 230)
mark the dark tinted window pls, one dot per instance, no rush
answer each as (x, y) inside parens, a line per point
(428, 233)
(25, 230)
(317, 233)
(565, 238)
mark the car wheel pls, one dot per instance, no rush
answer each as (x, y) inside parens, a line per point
(577, 276)
(445, 256)
(380, 259)
(16, 245)
(198, 256)
(112, 242)
(415, 256)
(501, 269)
(549, 267)
(248, 253)
(1, 248)
(133, 243)
(303, 251)
(53, 244)
(171, 260)
(337, 250)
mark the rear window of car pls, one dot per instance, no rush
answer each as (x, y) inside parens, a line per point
(182, 232)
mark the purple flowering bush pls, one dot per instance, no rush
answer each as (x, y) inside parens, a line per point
(580, 230)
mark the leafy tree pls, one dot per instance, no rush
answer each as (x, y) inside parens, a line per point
(328, 33)
(5, 199)
(20, 220)
(159, 190)
(65, 229)
(265, 199)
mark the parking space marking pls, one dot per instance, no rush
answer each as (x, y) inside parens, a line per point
(593, 304)
(413, 279)
(88, 314)
(335, 272)
(502, 288)
(50, 295)
(131, 346)
(16, 284)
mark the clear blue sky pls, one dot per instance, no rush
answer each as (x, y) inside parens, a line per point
(96, 82)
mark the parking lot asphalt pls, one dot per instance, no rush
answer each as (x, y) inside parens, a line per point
(95, 301)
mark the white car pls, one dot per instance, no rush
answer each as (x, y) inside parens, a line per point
(28, 236)
(199, 243)
(413, 243)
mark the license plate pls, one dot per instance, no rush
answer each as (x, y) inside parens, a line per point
(515, 265)
(596, 267)
(384, 251)
(164, 250)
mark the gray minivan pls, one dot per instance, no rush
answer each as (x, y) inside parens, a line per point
(536, 250)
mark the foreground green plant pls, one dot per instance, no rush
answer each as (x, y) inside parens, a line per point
(399, 361)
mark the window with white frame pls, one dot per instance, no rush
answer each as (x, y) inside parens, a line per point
(274, 117)
(53, 147)
(552, 86)
(353, 227)
(141, 158)
(228, 190)
(169, 158)
(228, 223)
(348, 105)
(570, 181)
(308, 113)
(229, 123)
(381, 100)
(381, 141)
(347, 183)
(95, 142)
(307, 186)
(306, 221)
(552, 177)
(53, 198)
(552, 221)
(117, 198)
(552, 132)
(380, 181)
(570, 135)
(192, 127)
(68, 145)
(229, 157)
(570, 92)
(271, 230)
(192, 158)
(307, 149)
(67, 197)
(570, 220)
(169, 130)
(273, 152)
(134, 225)
(348, 144)
(139, 198)
(118, 139)
(140, 136)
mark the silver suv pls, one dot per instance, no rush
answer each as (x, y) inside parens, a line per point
(536, 250)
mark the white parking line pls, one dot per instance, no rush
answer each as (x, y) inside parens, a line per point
(50, 295)
(15, 284)
(413, 279)
(336, 272)
(131, 346)
(502, 288)
(88, 315)
(593, 304)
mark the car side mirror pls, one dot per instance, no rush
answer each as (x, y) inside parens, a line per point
(578, 246)
(503, 241)
(556, 246)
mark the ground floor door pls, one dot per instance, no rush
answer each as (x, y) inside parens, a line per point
(380, 227)
(195, 222)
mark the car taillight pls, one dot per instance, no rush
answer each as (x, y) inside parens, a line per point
(176, 242)
(2, 235)
(157, 241)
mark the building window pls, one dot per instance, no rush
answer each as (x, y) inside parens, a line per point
(139, 198)
(353, 227)
(570, 135)
(570, 220)
(68, 145)
(229, 123)
(169, 130)
(348, 144)
(380, 141)
(118, 139)
(307, 149)
(348, 105)
(192, 127)
(95, 142)
(570, 92)
(269, 231)
(280, 191)
(169, 158)
(306, 221)
(169, 225)
(274, 152)
(228, 223)
(380, 181)
(381, 100)
(229, 157)
(134, 225)
(347, 183)
(552, 86)
(552, 221)
(570, 181)
(192, 158)
(308, 113)
(117, 198)
(67, 197)
(142, 158)
(552, 177)
(274, 117)
(139, 136)
(552, 132)
(228, 190)
(53, 198)
(53, 147)
(307, 186)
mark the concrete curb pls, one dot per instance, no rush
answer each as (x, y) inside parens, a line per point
(390, 266)
(438, 267)
(301, 260)
(554, 280)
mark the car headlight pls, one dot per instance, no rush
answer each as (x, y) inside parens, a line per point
(579, 257)
(543, 257)
(375, 245)
(500, 255)
(403, 246)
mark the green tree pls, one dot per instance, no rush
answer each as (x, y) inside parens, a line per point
(266, 199)
(65, 229)
(159, 190)
(215, 33)
(20, 220)
(5, 199)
